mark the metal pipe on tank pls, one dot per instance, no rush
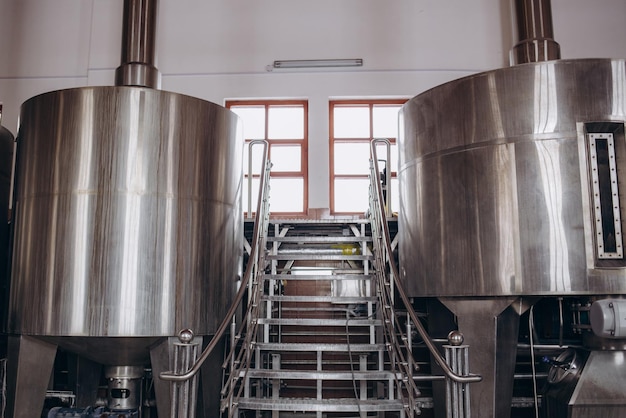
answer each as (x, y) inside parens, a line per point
(535, 35)
(138, 45)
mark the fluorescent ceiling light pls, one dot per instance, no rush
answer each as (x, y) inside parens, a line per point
(357, 62)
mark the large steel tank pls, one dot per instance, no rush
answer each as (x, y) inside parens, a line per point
(127, 229)
(512, 190)
(128, 217)
(499, 192)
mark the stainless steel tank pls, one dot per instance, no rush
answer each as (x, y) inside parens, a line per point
(128, 219)
(512, 189)
(128, 226)
(499, 195)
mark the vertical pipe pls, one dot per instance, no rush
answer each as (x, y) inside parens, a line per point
(535, 36)
(138, 45)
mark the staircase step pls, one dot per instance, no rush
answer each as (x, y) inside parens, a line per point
(334, 221)
(325, 347)
(319, 239)
(322, 405)
(319, 374)
(316, 256)
(331, 299)
(318, 277)
(323, 322)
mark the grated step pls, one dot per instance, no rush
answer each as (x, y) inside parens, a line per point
(333, 299)
(318, 277)
(319, 374)
(325, 347)
(320, 239)
(320, 322)
(298, 256)
(321, 405)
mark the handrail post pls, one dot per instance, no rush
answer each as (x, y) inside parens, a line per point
(184, 393)
(251, 144)
(387, 195)
(457, 394)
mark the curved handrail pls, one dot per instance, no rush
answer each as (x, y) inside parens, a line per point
(260, 213)
(400, 289)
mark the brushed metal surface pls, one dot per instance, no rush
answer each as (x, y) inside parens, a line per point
(128, 217)
(494, 181)
(600, 391)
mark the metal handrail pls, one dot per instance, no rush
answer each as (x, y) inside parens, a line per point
(472, 378)
(260, 220)
(387, 144)
(251, 144)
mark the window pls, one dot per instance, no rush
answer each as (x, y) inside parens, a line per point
(284, 124)
(353, 125)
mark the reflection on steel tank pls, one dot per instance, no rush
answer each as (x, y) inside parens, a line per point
(509, 182)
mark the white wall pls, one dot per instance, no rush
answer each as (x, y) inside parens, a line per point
(219, 49)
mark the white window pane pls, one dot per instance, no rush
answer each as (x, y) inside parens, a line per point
(383, 158)
(255, 194)
(395, 195)
(253, 120)
(352, 158)
(385, 121)
(286, 195)
(351, 122)
(285, 122)
(257, 158)
(351, 195)
(286, 158)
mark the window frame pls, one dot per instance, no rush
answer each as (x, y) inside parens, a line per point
(370, 103)
(303, 173)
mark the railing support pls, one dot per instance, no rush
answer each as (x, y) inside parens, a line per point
(457, 394)
(184, 393)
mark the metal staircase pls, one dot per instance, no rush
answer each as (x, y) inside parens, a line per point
(319, 348)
